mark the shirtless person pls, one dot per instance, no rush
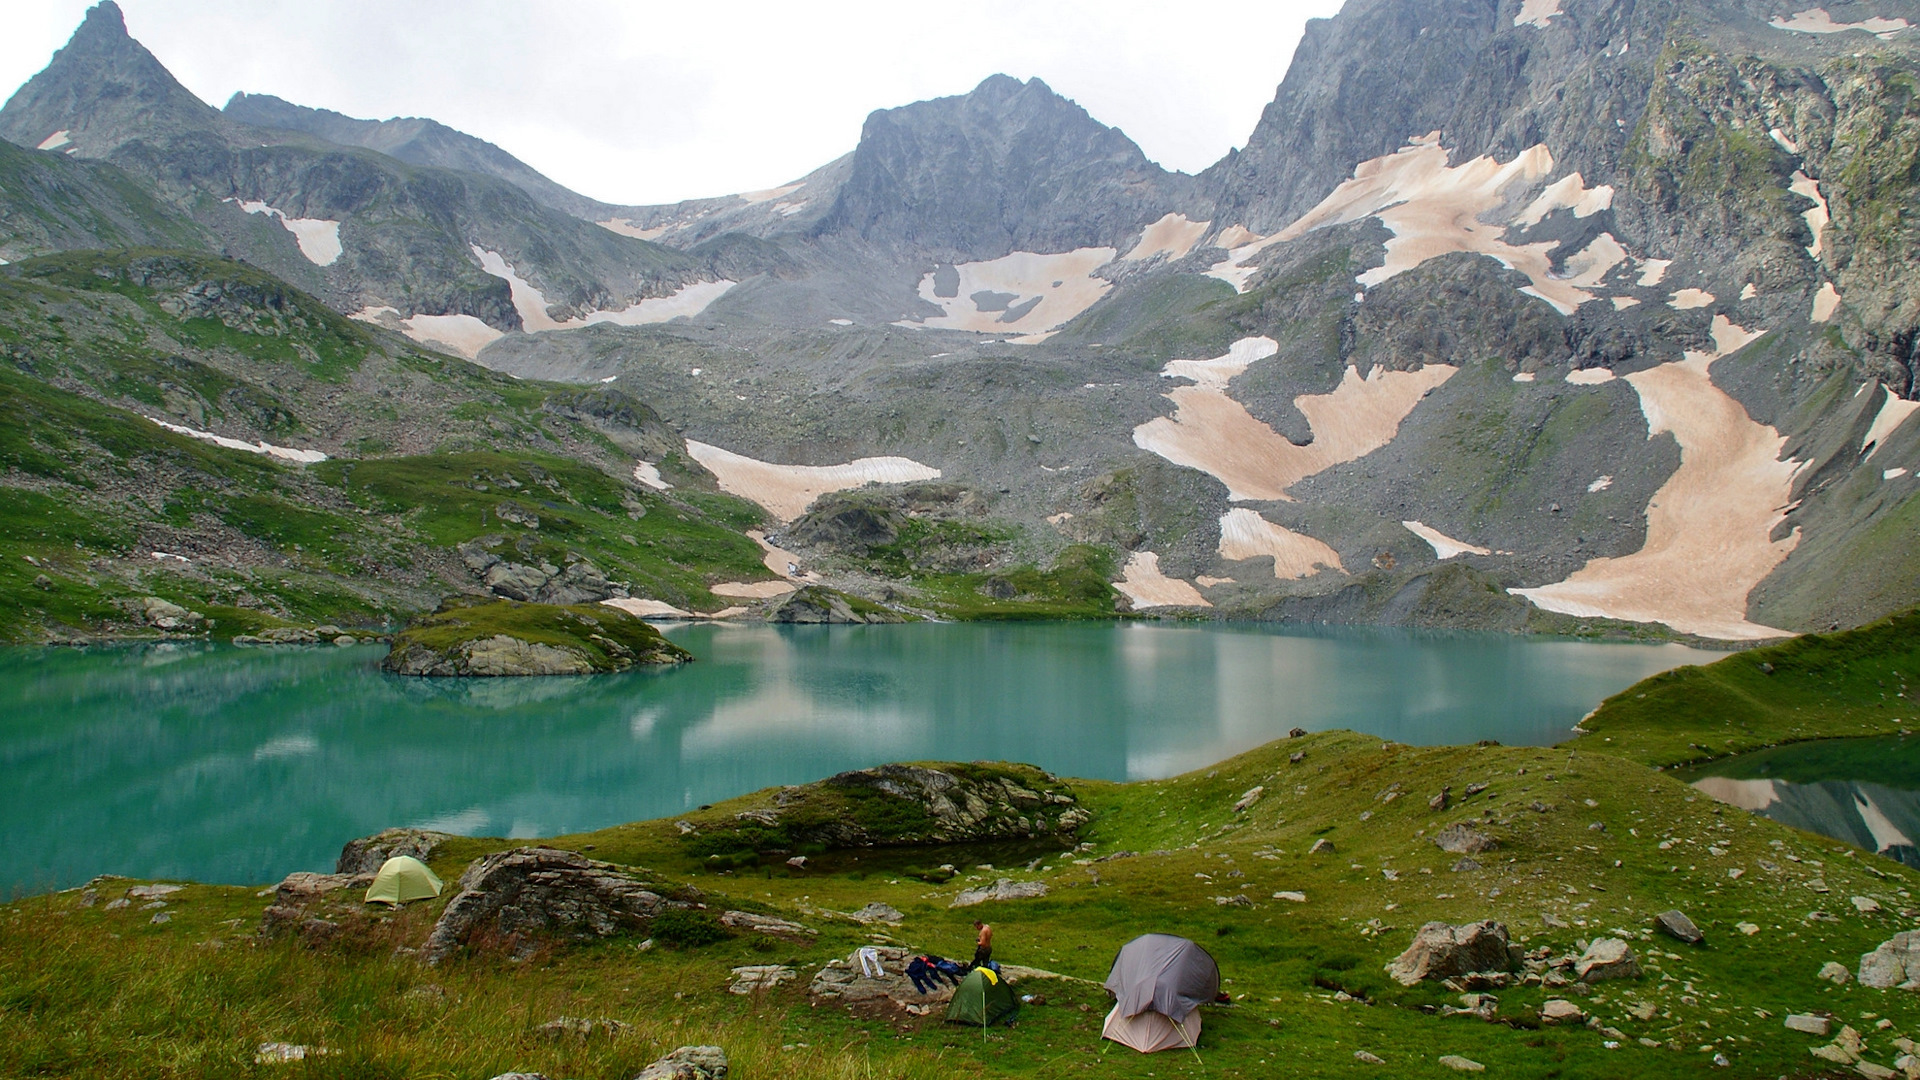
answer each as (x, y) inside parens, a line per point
(983, 948)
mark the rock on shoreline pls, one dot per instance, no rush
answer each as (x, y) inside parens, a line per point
(507, 637)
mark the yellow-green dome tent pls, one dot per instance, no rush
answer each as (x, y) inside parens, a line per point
(402, 878)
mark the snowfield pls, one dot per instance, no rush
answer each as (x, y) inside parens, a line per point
(1709, 527)
(787, 490)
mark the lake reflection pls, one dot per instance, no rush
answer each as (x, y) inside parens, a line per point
(225, 764)
(1863, 791)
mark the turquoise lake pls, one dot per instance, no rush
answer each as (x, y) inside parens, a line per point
(239, 765)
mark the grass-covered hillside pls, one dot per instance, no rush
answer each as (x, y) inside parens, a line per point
(1821, 686)
(103, 505)
(1589, 845)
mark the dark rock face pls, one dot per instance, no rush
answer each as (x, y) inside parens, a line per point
(1011, 166)
(525, 895)
(1440, 951)
(367, 854)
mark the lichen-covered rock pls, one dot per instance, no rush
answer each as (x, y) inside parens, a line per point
(1464, 839)
(526, 894)
(754, 978)
(688, 1063)
(1442, 951)
(1896, 962)
(366, 854)
(580, 1028)
(899, 805)
(509, 638)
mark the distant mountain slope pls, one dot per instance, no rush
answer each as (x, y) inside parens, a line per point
(415, 141)
(363, 230)
(50, 202)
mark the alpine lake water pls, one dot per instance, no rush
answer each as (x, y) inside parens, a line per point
(1863, 791)
(239, 765)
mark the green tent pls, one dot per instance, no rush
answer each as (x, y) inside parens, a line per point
(983, 999)
(402, 878)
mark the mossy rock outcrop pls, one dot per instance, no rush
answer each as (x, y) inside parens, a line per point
(899, 805)
(510, 638)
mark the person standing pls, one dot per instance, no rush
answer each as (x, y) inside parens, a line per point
(983, 946)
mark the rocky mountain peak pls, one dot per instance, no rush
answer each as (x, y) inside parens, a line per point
(1009, 166)
(102, 89)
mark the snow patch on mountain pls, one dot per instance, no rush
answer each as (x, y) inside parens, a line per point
(1215, 434)
(1709, 527)
(1142, 582)
(464, 335)
(1023, 293)
(1444, 546)
(1816, 216)
(1434, 209)
(1536, 13)
(1817, 21)
(319, 238)
(1893, 412)
(56, 140)
(1244, 534)
(787, 490)
(531, 303)
(1825, 302)
(304, 457)
(1173, 236)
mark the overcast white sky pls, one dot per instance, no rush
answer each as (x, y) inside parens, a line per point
(648, 102)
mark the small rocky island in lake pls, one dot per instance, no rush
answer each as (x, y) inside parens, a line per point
(505, 637)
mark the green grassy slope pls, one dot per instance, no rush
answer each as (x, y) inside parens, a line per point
(1855, 682)
(1615, 844)
(425, 449)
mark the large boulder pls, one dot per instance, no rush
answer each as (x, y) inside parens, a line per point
(1442, 951)
(367, 854)
(901, 805)
(524, 895)
(818, 604)
(1607, 958)
(1896, 962)
(1677, 926)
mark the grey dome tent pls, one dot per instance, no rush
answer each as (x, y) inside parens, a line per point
(1158, 983)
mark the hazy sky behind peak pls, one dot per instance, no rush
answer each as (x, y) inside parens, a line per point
(649, 102)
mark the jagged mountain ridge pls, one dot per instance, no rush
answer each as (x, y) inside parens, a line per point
(416, 141)
(379, 233)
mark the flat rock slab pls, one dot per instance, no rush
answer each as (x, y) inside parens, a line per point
(1809, 1024)
(754, 978)
(842, 982)
(1464, 839)
(1455, 1061)
(1002, 889)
